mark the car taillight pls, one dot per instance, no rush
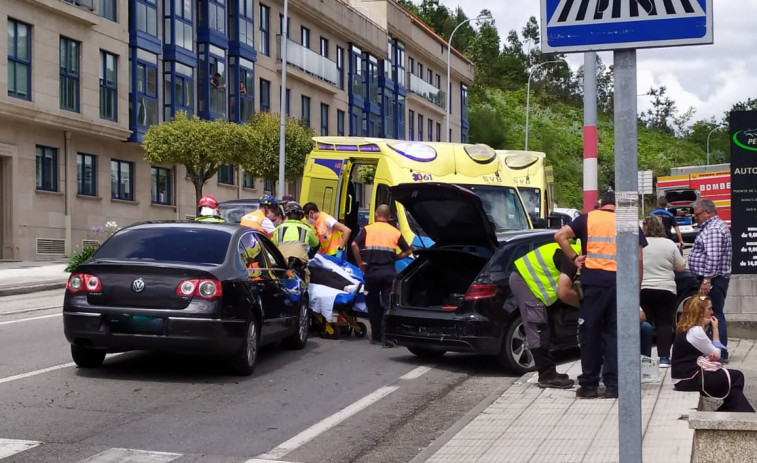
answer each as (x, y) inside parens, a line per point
(206, 289)
(480, 291)
(83, 282)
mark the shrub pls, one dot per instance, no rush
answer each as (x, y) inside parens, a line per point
(81, 256)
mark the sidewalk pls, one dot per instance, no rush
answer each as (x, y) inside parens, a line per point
(27, 277)
(529, 424)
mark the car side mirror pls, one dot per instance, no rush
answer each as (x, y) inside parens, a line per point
(539, 223)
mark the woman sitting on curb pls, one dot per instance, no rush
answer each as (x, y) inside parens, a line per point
(690, 343)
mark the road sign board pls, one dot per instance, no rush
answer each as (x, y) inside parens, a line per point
(645, 182)
(592, 25)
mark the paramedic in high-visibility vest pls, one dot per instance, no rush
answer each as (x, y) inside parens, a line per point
(536, 286)
(597, 317)
(296, 239)
(380, 241)
(261, 219)
(332, 235)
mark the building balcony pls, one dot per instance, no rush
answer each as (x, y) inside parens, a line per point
(427, 91)
(309, 61)
(87, 4)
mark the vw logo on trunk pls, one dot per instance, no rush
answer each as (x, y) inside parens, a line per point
(138, 285)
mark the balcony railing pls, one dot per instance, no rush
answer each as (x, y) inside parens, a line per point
(309, 61)
(88, 4)
(425, 90)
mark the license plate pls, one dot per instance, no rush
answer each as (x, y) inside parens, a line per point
(135, 324)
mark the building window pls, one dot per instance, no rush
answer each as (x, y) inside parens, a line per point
(288, 99)
(108, 9)
(281, 26)
(372, 75)
(420, 127)
(264, 46)
(411, 124)
(147, 17)
(430, 130)
(267, 185)
(305, 109)
(324, 119)
(248, 181)
(464, 101)
(357, 69)
(122, 180)
(438, 131)
(47, 168)
(177, 25)
(179, 89)
(19, 60)
(411, 65)
(420, 70)
(265, 95)
(146, 87)
(86, 174)
(399, 63)
(217, 15)
(246, 90)
(226, 174)
(340, 122)
(160, 185)
(246, 23)
(69, 74)
(213, 91)
(108, 86)
(340, 66)
(304, 36)
(400, 112)
(324, 47)
(430, 76)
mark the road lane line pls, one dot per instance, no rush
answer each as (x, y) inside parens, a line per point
(32, 318)
(8, 379)
(10, 447)
(324, 425)
(131, 456)
(416, 373)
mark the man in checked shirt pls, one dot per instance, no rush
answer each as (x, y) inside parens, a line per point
(710, 261)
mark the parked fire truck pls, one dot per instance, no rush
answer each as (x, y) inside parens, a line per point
(711, 182)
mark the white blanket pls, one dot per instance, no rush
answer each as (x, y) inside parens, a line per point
(322, 297)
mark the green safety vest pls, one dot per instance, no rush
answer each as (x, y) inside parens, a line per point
(294, 231)
(540, 273)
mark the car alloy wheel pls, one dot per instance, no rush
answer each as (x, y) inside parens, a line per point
(299, 338)
(243, 363)
(515, 353)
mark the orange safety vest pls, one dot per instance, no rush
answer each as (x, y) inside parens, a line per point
(254, 220)
(600, 241)
(329, 240)
(381, 236)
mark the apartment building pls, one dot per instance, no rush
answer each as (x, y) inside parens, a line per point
(87, 78)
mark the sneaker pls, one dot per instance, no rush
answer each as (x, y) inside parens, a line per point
(388, 345)
(555, 382)
(586, 393)
(664, 362)
(610, 393)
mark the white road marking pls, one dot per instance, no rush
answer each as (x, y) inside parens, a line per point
(258, 460)
(32, 318)
(416, 373)
(10, 447)
(324, 425)
(131, 456)
(8, 379)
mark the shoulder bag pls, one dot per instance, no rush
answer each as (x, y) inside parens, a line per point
(707, 365)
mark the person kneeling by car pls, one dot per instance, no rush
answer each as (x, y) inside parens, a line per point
(296, 239)
(535, 286)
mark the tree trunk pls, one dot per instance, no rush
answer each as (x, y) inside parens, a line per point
(198, 192)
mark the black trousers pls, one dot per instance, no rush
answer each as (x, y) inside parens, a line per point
(377, 300)
(598, 336)
(660, 308)
(716, 385)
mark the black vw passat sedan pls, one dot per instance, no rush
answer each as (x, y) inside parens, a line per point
(455, 295)
(185, 287)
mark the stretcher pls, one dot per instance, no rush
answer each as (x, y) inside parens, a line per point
(336, 297)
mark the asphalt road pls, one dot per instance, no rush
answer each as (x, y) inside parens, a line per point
(342, 400)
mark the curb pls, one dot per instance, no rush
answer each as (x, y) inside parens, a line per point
(26, 289)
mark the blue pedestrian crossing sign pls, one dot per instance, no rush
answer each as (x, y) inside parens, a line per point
(593, 25)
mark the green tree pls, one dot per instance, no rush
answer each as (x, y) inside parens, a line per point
(200, 146)
(262, 157)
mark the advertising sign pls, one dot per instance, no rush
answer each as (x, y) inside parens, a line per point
(744, 191)
(593, 25)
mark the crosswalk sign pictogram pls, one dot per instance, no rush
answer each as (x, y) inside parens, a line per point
(592, 25)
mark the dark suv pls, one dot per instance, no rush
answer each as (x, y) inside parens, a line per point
(455, 295)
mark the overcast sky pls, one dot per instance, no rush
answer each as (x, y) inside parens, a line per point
(709, 78)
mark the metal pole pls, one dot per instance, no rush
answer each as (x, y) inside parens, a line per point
(590, 131)
(447, 97)
(627, 245)
(708, 143)
(282, 110)
(528, 94)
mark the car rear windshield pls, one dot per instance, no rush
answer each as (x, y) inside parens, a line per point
(195, 245)
(502, 206)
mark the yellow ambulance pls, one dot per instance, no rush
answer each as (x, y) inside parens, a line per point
(331, 170)
(527, 170)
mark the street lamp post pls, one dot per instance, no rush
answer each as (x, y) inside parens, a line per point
(282, 118)
(708, 143)
(528, 93)
(449, 50)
